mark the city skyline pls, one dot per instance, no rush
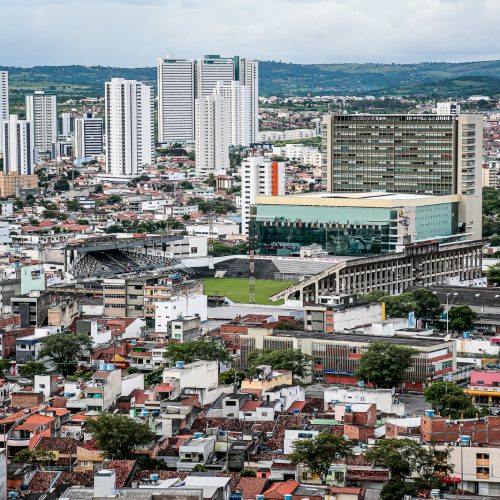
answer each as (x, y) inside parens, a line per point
(317, 31)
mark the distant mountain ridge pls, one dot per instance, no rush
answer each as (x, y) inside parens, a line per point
(437, 79)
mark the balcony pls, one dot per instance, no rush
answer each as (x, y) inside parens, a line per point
(482, 476)
(482, 462)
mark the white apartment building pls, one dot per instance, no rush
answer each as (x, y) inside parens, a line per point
(129, 126)
(66, 125)
(4, 100)
(19, 146)
(287, 135)
(249, 76)
(298, 152)
(41, 111)
(212, 118)
(176, 99)
(448, 108)
(260, 176)
(89, 137)
(238, 97)
(179, 307)
(210, 70)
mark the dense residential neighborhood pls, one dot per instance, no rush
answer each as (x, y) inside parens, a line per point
(209, 292)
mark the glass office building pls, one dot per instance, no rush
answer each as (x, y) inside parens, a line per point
(369, 225)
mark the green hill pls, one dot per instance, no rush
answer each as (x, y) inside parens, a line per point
(285, 79)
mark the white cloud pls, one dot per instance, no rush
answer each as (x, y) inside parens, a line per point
(135, 32)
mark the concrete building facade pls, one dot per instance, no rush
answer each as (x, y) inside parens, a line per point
(129, 126)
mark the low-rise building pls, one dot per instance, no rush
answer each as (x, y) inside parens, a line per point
(384, 399)
(266, 379)
(102, 390)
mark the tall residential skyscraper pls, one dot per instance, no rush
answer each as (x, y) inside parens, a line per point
(181, 81)
(210, 70)
(41, 111)
(88, 137)
(248, 75)
(413, 154)
(18, 140)
(238, 97)
(212, 134)
(175, 100)
(4, 100)
(260, 176)
(129, 126)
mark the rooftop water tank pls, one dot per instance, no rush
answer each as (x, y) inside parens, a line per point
(179, 364)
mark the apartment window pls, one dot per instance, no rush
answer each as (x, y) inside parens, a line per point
(482, 456)
(480, 382)
(483, 470)
(230, 403)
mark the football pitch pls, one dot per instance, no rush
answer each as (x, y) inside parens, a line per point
(237, 289)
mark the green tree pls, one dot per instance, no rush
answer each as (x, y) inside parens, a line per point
(449, 400)
(375, 296)
(384, 364)
(461, 318)
(37, 456)
(185, 185)
(398, 306)
(230, 376)
(73, 205)
(32, 368)
(154, 377)
(318, 453)
(287, 359)
(248, 473)
(118, 435)
(71, 175)
(61, 185)
(202, 349)
(427, 305)
(211, 181)
(4, 367)
(98, 189)
(493, 274)
(114, 199)
(404, 458)
(200, 468)
(65, 350)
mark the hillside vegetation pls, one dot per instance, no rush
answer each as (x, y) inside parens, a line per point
(277, 78)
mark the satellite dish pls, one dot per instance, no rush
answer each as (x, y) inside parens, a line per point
(447, 338)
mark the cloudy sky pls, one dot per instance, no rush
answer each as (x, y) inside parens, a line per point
(135, 32)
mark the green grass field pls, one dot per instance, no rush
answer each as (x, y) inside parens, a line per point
(237, 289)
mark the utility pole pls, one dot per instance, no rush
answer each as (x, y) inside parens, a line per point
(251, 259)
(211, 237)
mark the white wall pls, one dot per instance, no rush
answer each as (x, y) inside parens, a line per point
(200, 374)
(166, 311)
(131, 382)
(293, 435)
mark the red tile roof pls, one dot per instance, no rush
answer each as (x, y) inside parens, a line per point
(123, 469)
(280, 489)
(335, 490)
(251, 405)
(251, 487)
(297, 405)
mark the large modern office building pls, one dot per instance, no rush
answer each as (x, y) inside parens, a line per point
(129, 126)
(438, 155)
(354, 223)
